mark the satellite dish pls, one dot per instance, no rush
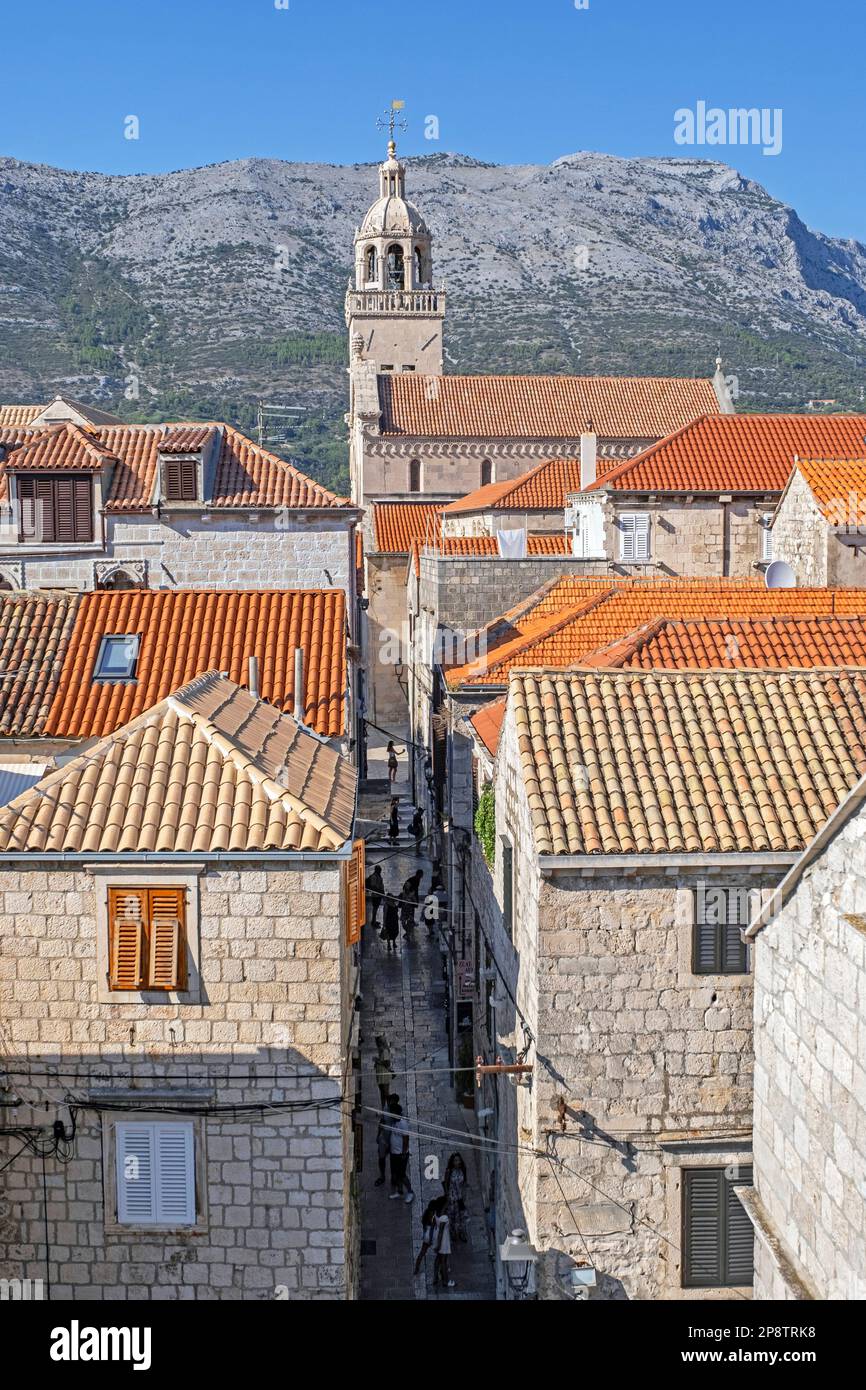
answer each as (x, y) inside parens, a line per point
(779, 575)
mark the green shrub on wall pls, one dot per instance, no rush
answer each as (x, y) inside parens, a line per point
(485, 823)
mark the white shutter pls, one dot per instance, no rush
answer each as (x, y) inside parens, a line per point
(594, 531)
(135, 1176)
(155, 1174)
(766, 544)
(635, 536)
(175, 1171)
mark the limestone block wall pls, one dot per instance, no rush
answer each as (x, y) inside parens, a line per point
(800, 534)
(464, 594)
(387, 638)
(810, 1076)
(688, 538)
(265, 1023)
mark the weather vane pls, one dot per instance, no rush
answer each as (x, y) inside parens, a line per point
(390, 121)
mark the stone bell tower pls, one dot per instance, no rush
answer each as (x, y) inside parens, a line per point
(393, 313)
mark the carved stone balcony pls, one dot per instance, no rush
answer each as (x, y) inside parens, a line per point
(428, 302)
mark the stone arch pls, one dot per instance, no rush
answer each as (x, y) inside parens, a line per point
(121, 576)
(414, 475)
(11, 579)
(371, 266)
(396, 267)
(486, 472)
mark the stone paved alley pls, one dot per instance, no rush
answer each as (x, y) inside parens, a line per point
(404, 1000)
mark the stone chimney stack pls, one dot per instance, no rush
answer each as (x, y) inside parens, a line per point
(588, 455)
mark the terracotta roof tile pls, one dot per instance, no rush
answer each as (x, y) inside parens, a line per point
(545, 488)
(738, 643)
(621, 762)
(397, 524)
(208, 769)
(736, 453)
(17, 416)
(567, 636)
(487, 723)
(487, 546)
(540, 407)
(246, 475)
(34, 636)
(839, 488)
(184, 632)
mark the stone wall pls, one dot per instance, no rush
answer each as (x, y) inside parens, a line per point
(689, 538)
(226, 552)
(265, 1020)
(810, 1077)
(800, 534)
(386, 638)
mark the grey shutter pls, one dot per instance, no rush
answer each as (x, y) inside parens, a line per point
(734, 952)
(45, 519)
(740, 1242)
(702, 1234)
(508, 886)
(705, 949)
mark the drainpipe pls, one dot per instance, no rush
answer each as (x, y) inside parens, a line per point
(726, 535)
(300, 708)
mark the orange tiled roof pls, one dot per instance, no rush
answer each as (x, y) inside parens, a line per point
(487, 724)
(487, 546)
(246, 475)
(736, 453)
(839, 488)
(545, 488)
(397, 524)
(566, 637)
(541, 407)
(626, 762)
(18, 416)
(738, 643)
(209, 769)
(184, 632)
(34, 636)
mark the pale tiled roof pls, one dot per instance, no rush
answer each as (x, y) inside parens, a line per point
(715, 762)
(209, 769)
(541, 407)
(34, 636)
(17, 416)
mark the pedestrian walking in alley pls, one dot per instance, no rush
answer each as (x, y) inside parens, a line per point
(442, 1250)
(394, 821)
(417, 828)
(400, 1184)
(376, 892)
(455, 1184)
(428, 1227)
(392, 761)
(409, 899)
(383, 1072)
(390, 923)
(383, 1136)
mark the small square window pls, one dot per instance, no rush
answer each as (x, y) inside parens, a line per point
(117, 657)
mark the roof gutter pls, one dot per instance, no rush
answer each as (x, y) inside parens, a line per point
(119, 857)
(600, 863)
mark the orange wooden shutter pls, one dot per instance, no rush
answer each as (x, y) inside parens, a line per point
(127, 909)
(167, 944)
(355, 893)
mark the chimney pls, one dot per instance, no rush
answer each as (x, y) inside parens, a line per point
(300, 708)
(588, 452)
(253, 678)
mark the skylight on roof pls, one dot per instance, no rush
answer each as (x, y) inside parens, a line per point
(117, 657)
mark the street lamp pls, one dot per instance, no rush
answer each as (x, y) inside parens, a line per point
(518, 1254)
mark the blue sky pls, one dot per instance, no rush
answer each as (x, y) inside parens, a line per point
(510, 81)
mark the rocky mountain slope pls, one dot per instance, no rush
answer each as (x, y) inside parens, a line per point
(202, 290)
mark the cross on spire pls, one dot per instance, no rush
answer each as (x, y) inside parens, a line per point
(390, 121)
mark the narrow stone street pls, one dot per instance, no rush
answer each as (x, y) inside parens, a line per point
(404, 1002)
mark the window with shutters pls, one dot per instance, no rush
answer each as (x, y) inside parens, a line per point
(766, 545)
(354, 893)
(634, 536)
(147, 939)
(155, 1169)
(507, 885)
(55, 510)
(180, 480)
(720, 915)
(718, 1237)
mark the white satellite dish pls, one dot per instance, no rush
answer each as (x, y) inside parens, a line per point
(779, 575)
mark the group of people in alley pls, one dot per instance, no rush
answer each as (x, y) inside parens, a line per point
(444, 1218)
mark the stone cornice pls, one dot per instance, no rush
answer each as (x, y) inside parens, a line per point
(389, 446)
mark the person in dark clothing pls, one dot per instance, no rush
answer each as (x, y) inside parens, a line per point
(383, 1136)
(394, 822)
(390, 922)
(417, 829)
(409, 894)
(376, 891)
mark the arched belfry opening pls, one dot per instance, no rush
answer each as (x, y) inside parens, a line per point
(371, 266)
(396, 268)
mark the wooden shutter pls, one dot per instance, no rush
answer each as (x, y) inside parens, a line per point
(740, 1233)
(127, 915)
(83, 508)
(354, 893)
(175, 1174)
(705, 948)
(166, 939)
(136, 1194)
(180, 480)
(702, 1236)
(26, 492)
